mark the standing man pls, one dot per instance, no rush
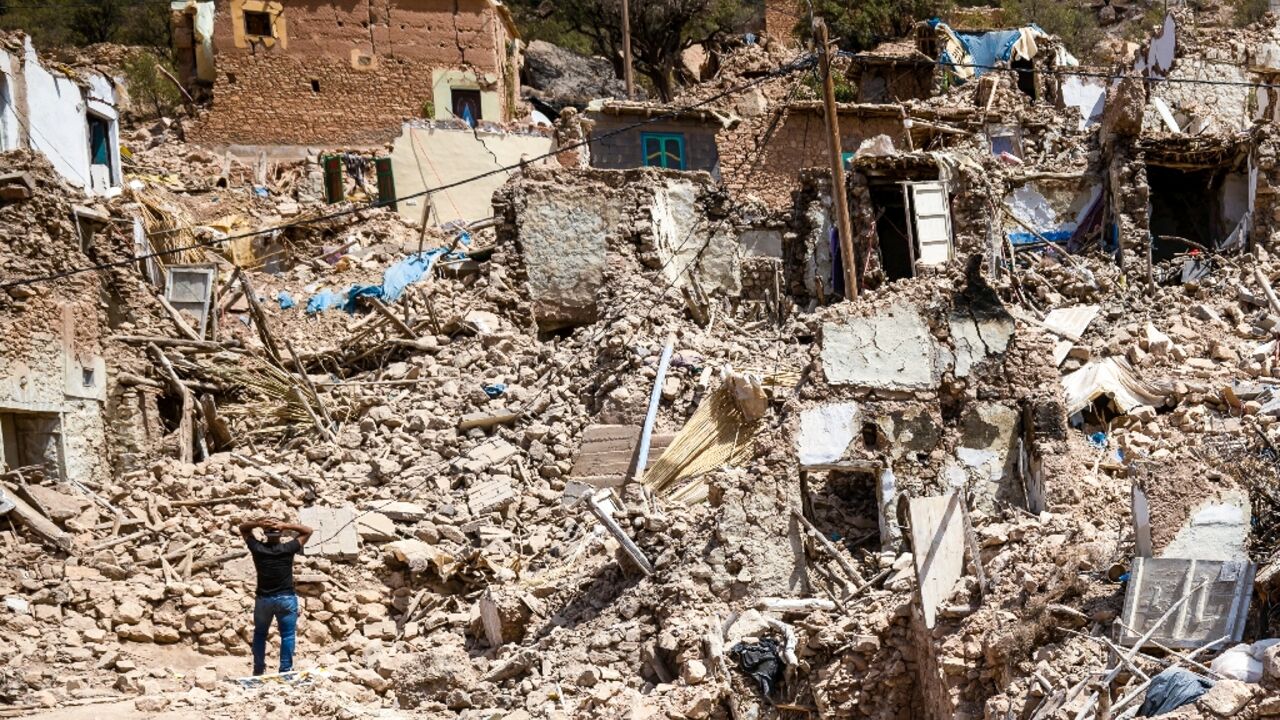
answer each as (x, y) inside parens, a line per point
(275, 596)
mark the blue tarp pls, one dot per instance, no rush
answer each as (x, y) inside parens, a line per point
(394, 281)
(285, 299)
(989, 49)
(1026, 238)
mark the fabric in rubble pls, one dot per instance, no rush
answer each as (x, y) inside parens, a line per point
(1172, 689)
(762, 661)
(395, 280)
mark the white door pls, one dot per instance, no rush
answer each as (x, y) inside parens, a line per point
(932, 215)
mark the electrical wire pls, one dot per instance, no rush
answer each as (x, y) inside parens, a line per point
(794, 66)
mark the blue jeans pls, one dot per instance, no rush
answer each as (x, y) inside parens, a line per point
(284, 609)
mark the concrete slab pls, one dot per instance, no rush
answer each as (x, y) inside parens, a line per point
(335, 533)
(976, 340)
(893, 350)
(1217, 529)
(825, 433)
(687, 242)
(1217, 601)
(375, 527)
(983, 462)
(937, 544)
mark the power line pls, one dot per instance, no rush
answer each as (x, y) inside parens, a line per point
(782, 71)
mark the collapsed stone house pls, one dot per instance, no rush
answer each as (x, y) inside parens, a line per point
(68, 115)
(311, 73)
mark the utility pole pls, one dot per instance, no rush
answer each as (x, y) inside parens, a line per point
(839, 192)
(627, 73)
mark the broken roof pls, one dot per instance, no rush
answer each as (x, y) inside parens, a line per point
(649, 110)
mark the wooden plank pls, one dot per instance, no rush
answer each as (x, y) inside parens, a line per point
(938, 544)
(38, 523)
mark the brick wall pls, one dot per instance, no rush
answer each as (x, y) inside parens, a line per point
(345, 73)
(623, 150)
(799, 142)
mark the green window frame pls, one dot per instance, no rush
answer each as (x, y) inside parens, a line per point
(665, 150)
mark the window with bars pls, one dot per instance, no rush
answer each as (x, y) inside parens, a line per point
(664, 150)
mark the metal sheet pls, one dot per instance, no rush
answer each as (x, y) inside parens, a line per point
(1217, 600)
(190, 288)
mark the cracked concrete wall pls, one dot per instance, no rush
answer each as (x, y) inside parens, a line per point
(891, 350)
(350, 74)
(688, 241)
(427, 156)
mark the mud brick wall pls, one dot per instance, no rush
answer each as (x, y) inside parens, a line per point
(799, 142)
(345, 74)
(624, 150)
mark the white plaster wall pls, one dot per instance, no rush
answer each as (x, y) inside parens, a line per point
(56, 118)
(687, 241)
(10, 138)
(427, 157)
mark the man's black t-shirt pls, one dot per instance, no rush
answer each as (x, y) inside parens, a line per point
(274, 564)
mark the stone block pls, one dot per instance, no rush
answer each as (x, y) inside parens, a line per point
(335, 533)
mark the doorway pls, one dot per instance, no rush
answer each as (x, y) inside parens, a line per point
(466, 105)
(896, 253)
(1201, 205)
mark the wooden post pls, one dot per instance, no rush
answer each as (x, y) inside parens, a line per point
(259, 318)
(839, 193)
(628, 73)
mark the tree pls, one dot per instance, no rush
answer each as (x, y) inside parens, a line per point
(70, 23)
(865, 24)
(148, 85)
(660, 30)
(1076, 25)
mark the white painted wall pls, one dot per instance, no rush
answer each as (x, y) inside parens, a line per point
(10, 138)
(426, 157)
(52, 117)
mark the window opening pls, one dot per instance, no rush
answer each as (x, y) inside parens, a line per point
(257, 23)
(466, 105)
(664, 150)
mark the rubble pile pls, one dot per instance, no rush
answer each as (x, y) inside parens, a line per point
(621, 450)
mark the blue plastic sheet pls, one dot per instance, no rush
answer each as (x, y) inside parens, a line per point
(395, 280)
(324, 300)
(285, 300)
(495, 390)
(987, 50)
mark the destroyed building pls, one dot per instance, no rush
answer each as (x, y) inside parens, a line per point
(624, 449)
(311, 73)
(68, 115)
